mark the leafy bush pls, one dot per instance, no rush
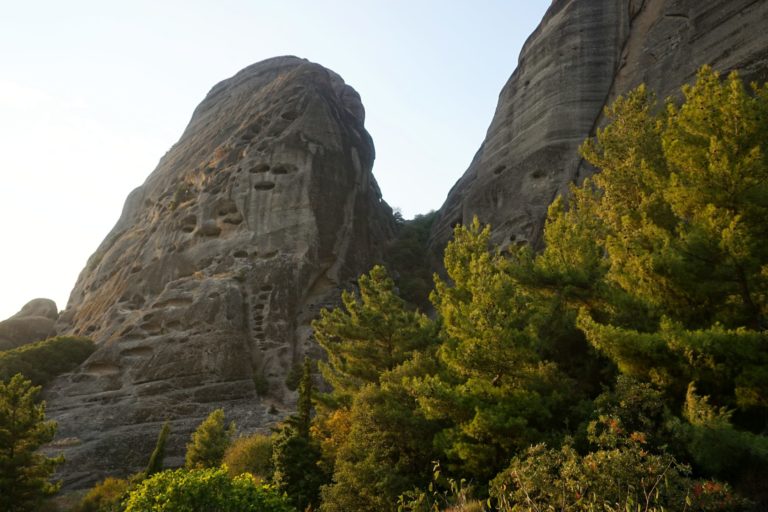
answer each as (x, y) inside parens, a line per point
(42, 361)
(251, 454)
(105, 496)
(620, 475)
(204, 490)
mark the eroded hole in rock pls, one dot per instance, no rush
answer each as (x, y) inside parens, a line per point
(188, 223)
(234, 218)
(500, 169)
(267, 288)
(538, 173)
(266, 185)
(291, 115)
(137, 352)
(269, 254)
(283, 169)
(259, 168)
(240, 254)
(173, 303)
(263, 296)
(258, 306)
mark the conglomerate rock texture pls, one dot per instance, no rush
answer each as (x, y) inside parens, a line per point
(34, 322)
(202, 294)
(581, 57)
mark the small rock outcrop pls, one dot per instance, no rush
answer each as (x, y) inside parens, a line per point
(580, 58)
(202, 295)
(34, 322)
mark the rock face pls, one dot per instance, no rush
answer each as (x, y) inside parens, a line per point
(581, 57)
(34, 322)
(202, 294)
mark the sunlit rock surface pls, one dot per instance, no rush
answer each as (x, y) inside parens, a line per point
(581, 57)
(202, 294)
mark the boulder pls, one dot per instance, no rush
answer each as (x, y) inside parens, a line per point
(34, 322)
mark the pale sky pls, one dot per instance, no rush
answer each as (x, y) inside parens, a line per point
(93, 93)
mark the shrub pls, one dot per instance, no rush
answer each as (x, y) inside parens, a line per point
(204, 489)
(251, 454)
(105, 496)
(42, 361)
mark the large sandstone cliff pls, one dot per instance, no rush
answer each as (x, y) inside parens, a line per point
(202, 294)
(582, 56)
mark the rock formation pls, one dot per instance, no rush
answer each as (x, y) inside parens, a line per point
(34, 322)
(581, 57)
(202, 294)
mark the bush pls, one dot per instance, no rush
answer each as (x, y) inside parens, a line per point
(42, 361)
(105, 496)
(251, 454)
(204, 489)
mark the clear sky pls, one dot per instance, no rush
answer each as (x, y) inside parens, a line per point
(93, 93)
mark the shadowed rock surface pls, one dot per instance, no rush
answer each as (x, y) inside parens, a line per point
(580, 58)
(34, 322)
(202, 294)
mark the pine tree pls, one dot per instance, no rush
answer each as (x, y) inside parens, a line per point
(295, 455)
(24, 473)
(372, 333)
(209, 442)
(494, 388)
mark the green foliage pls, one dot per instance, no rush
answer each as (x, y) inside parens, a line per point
(261, 384)
(155, 464)
(372, 333)
(675, 244)
(621, 475)
(494, 388)
(408, 259)
(442, 494)
(304, 403)
(209, 442)
(388, 448)
(296, 470)
(204, 489)
(42, 361)
(24, 474)
(105, 496)
(251, 454)
(295, 455)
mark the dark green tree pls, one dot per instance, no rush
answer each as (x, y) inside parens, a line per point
(494, 389)
(24, 473)
(295, 455)
(209, 442)
(389, 447)
(155, 464)
(676, 218)
(373, 332)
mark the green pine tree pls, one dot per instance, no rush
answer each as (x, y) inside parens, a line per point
(24, 473)
(209, 442)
